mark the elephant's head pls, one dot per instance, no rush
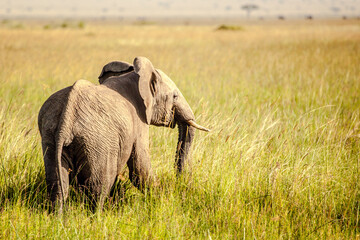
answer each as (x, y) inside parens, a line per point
(166, 106)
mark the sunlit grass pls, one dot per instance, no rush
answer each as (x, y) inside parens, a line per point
(281, 161)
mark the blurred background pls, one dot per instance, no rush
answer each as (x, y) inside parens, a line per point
(179, 9)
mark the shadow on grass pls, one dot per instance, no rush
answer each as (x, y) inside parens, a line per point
(32, 194)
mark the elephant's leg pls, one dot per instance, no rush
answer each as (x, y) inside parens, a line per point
(139, 165)
(99, 194)
(96, 193)
(96, 175)
(52, 178)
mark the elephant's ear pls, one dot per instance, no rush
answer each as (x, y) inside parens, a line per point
(115, 68)
(148, 83)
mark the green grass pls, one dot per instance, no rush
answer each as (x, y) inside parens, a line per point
(281, 161)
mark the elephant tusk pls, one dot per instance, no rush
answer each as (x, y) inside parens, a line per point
(195, 125)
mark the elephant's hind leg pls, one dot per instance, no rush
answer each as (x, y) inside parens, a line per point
(96, 193)
(97, 176)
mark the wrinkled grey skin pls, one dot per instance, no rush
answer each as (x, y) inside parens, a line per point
(90, 132)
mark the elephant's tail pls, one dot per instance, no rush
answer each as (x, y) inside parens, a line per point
(59, 147)
(65, 133)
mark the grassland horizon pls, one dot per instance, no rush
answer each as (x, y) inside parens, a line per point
(282, 100)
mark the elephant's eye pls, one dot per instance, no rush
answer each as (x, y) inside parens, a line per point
(176, 95)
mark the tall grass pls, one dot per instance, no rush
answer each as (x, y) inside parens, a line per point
(281, 162)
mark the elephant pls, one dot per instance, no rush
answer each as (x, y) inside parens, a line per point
(90, 132)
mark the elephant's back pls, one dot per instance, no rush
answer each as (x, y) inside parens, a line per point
(50, 111)
(102, 113)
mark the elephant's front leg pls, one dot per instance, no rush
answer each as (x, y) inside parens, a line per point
(139, 165)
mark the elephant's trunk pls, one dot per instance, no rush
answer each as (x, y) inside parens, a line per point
(186, 122)
(186, 136)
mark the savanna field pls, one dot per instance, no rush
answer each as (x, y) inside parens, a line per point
(282, 159)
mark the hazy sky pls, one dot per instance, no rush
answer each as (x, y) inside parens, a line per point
(179, 8)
